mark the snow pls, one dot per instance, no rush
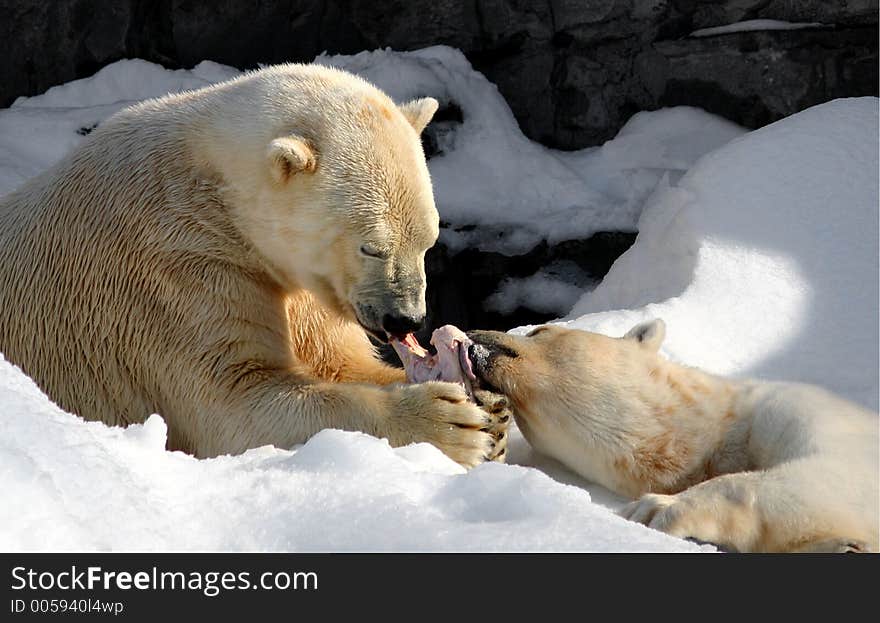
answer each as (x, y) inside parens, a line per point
(81, 486)
(542, 292)
(761, 256)
(753, 25)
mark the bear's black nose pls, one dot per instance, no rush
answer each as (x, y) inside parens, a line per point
(401, 325)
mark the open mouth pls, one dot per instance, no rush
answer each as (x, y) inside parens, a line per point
(451, 363)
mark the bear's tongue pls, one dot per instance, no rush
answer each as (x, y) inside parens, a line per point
(413, 345)
(450, 364)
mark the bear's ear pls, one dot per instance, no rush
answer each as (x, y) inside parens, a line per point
(289, 155)
(419, 112)
(648, 334)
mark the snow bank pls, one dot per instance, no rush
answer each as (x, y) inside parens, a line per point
(763, 259)
(81, 486)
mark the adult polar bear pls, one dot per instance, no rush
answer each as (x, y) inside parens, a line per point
(210, 255)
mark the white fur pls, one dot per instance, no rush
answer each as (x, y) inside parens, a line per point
(809, 482)
(202, 256)
(748, 465)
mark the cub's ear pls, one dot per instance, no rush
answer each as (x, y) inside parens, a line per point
(648, 334)
(419, 112)
(289, 155)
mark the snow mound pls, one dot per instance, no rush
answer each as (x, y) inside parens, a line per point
(82, 486)
(763, 258)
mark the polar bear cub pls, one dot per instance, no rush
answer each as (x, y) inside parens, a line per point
(751, 466)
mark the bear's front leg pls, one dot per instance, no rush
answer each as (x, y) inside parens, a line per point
(283, 409)
(441, 414)
(334, 348)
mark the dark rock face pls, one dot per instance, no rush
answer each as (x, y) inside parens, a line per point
(573, 71)
(766, 76)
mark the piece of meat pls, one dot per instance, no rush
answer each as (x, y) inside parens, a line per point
(450, 364)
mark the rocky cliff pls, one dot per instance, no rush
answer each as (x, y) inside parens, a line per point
(573, 71)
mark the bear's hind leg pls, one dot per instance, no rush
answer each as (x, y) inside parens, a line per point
(760, 511)
(725, 510)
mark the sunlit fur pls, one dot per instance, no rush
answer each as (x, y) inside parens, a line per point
(749, 465)
(201, 256)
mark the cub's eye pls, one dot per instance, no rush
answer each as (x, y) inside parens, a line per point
(535, 332)
(372, 252)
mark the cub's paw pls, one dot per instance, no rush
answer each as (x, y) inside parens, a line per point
(499, 409)
(649, 510)
(681, 517)
(441, 414)
(722, 515)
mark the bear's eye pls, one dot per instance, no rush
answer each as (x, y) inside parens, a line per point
(372, 252)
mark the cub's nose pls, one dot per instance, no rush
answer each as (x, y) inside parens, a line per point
(401, 325)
